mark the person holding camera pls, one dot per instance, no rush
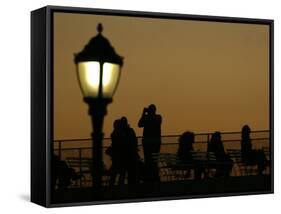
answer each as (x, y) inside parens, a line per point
(151, 124)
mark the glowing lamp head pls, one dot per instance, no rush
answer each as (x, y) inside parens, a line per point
(98, 68)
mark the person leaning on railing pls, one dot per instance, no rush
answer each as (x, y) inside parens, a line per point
(184, 154)
(223, 163)
(251, 156)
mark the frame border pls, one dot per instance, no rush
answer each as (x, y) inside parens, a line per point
(50, 10)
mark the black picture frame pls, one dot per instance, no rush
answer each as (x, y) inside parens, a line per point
(42, 99)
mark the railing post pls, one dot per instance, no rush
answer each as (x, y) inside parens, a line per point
(80, 166)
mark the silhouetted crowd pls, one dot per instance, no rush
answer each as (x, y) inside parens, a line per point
(223, 163)
(127, 164)
(124, 149)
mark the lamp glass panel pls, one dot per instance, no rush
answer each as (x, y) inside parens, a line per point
(110, 77)
(89, 77)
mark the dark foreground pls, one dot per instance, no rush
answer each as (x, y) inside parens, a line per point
(165, 190)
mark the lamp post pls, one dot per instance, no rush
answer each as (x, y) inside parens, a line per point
(98, 69)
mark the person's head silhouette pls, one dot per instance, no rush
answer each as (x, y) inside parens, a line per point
(246, 130)
(216, 137)
(151, 109)
(116, 124)
(124, 122)
(187, 139)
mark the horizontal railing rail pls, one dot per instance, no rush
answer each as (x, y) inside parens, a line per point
(140, 137)
(81, 149)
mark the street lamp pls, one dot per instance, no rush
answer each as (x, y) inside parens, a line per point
(98, 69)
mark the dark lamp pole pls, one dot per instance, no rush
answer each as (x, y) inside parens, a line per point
(98, 69)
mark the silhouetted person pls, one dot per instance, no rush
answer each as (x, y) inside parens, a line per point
(186, 141)
(224, 163)
(185, 149)
(124, 152)
(250, 156)
(151, 124)
(116, 153)
(62, 174)
(130, 151)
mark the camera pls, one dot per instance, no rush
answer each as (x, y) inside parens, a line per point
(145, 110)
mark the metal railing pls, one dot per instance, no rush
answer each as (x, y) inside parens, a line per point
(81, 150)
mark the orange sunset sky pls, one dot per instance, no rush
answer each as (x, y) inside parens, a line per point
(202, 76)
